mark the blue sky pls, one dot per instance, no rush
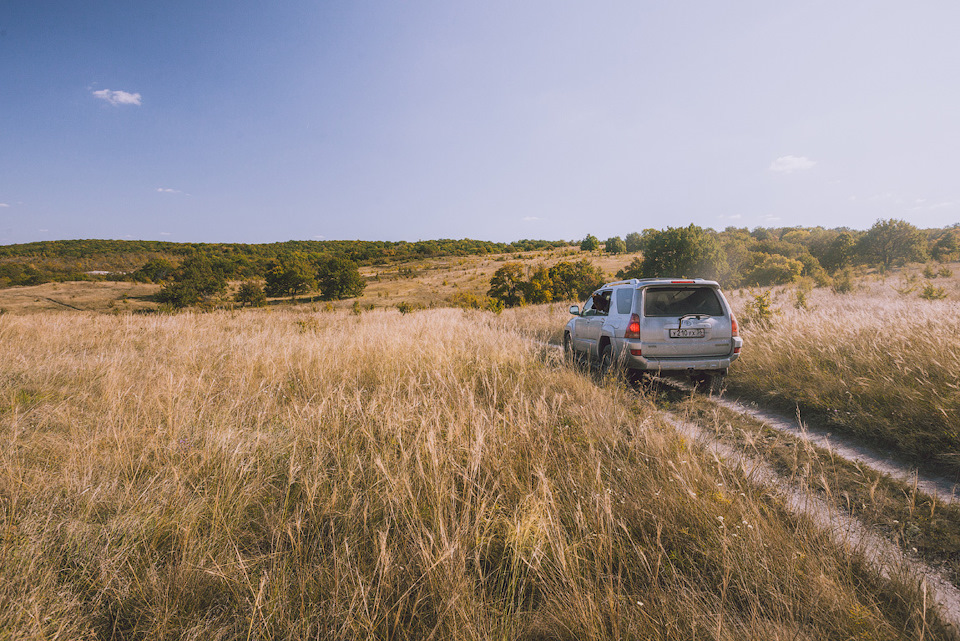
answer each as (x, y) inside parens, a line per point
(258, 122)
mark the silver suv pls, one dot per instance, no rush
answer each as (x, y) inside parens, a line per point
(669, 325)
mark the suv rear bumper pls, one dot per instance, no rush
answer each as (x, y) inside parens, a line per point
(696, 363)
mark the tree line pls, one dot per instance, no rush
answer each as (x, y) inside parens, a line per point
(62, 260)
(201, 277)
(737, 257)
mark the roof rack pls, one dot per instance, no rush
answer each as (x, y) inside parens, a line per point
(664, 279)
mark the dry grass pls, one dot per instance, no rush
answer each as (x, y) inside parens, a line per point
(876, 363)
(920, 524)
(78, 296)
(432, 282)
(285, 474)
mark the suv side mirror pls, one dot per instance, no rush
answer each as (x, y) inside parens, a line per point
(575, 310)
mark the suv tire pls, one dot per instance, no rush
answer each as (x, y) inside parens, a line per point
(607, 366)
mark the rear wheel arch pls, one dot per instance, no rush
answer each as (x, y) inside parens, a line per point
(602, 344)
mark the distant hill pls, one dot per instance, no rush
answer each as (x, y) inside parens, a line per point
(57, 260)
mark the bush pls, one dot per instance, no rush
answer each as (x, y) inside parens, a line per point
(843, 282)
(251, 293)
(932, 292)
(508, 285)
(759, 311)
(633, 270)
(155, 270)
(615, 245)
(290, 275)
(590, 243)
(196, 280)
(773, 269)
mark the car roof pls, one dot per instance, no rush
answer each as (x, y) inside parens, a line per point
(644, 282)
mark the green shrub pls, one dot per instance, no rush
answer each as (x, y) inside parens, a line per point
(932, 292)
(759, 311)
(590, 243)
(251, 293)
(843, 282)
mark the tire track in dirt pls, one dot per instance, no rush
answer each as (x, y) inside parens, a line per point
(941, 487)
(846, 530)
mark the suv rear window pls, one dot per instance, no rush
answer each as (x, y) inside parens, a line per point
(677, 301)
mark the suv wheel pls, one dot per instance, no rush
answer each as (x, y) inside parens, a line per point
(606, 360)
(567, 347)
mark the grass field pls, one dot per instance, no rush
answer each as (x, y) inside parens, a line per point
(878, 362)
(420, 284)
(290, 474)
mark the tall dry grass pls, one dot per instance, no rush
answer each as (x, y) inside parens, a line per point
(875, 362)
(295, 475)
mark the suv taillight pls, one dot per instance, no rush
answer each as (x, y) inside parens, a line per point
(734, 326)
(633, 329)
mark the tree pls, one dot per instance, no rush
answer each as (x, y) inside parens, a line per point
(633, 270)
(946, 247)
(590, 243)
(197, 279)
(155, 270)
(339, 278)
(681, 251)
(773, 269)
(634, 242)
(251, 293)
(615, 245)
(540, 287)
(290, 275)
(838, 253)
(574, 280)
(891, 242)
(508, 285)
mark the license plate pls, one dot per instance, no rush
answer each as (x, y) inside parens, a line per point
(687, 333)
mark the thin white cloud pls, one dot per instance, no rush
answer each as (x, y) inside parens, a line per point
(118, 97)
(4, 205)
(319, 237)
(945, 205)
(790, 164)
(167, 190)
(165, 233)
(531, 219)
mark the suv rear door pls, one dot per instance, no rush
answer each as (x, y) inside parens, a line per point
(683, 321)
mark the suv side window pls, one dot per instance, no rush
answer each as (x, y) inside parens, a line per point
(624, 300)
(588, 309)
(601, 302)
